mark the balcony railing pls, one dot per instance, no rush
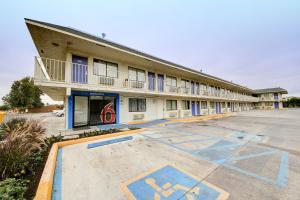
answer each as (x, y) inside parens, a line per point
(66, 72)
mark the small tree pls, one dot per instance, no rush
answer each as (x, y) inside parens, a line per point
(293, 102)
(23, 94)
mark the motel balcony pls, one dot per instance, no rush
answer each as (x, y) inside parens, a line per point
(270, 98)
(57, 73)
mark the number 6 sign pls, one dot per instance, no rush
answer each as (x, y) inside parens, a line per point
(108, 114)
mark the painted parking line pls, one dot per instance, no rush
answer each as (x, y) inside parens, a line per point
(169, 182)
(107, 142)
(57, 184)
(248, 156)
(193, 141)
(282, 178)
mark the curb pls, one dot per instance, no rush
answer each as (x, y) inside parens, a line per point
(200, 118)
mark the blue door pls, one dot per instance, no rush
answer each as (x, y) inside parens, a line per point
(193, 108)
(160, 82)
(276, 104)
(218, 107)
(151, 81)
(79, 69)
(198, 107)
(276, 96)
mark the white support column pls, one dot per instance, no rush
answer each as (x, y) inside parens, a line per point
(90, 70)
(68, 70)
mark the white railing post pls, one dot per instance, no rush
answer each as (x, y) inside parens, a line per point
(41, 64)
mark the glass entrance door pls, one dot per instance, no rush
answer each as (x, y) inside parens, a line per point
(80, 111)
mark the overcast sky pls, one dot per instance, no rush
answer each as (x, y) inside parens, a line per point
(255, 43)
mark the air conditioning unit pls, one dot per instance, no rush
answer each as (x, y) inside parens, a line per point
(186, 114)
(136, 84)
(106, 80)
(138, 116)
(173, 114)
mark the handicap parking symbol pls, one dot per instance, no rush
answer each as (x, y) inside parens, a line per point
(168, 183)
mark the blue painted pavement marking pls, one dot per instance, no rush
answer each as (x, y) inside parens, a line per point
(57, 182)
(98, 144)
(193, 141)
(222, 153)
(244, 157)
(282, 178)
(169, 183)
(250, 173)
(168, 144)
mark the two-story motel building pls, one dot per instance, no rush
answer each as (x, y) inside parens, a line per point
(102, 82)
(270, 98)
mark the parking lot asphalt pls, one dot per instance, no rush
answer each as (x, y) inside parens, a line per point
(252, 155)
(54, 125)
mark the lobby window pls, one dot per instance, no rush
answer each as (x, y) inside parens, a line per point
(103, 68)
(203, 104)
(185, 105)
(135, 74)
(137, 105)
(171, 81)
(212, 105)
(171, 104)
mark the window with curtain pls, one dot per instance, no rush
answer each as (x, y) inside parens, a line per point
(171, 104)
(171, 81)
(185, 83)
(137, 105)
(135, 74)
(103, 68)
(203, 104)
(185, 105)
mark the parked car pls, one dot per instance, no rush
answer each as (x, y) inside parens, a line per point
(59, 113)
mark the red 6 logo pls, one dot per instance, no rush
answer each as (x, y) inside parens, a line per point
(108, 109)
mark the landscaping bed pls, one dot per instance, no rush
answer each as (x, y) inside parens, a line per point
(24, 150)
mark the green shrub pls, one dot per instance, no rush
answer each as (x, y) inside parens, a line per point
(53, 139)
(133, 128)
(13, 124)
(13, 189)
(4, 107)
(20, 139)
(98, 132)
